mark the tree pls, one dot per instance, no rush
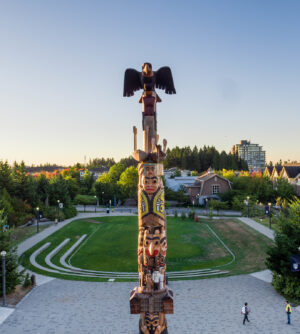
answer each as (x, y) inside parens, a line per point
(43, 189)
(127, 162)
(284, 189)
(115, 172)
(59, 191)
(128, 182)
(86, 183)
(13, 277)
(5, 176)
(106, 189)
(287, 241)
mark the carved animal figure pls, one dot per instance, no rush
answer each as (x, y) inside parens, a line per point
(148, 80)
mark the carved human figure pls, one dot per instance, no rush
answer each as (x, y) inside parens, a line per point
(149, 282)
(151, 195)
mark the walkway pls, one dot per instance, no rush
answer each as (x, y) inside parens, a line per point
(258, 227)
(201, 306)
(204, 306)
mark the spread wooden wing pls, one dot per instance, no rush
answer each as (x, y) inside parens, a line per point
(164, 80)
(132, 82)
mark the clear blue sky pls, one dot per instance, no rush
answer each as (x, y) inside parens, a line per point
(235, 65)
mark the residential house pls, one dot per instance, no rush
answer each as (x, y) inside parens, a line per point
(276, 172)
(208, 186)
(268, 171)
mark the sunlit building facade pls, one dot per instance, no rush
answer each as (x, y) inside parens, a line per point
(252, 153)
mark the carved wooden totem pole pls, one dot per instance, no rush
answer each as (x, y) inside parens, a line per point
(152, 299)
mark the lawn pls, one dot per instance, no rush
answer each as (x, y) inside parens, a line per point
(112, 243)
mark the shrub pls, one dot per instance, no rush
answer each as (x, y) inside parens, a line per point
(183, 215)
(27, 281)
(69, 211)
(84, 200)
(191, 214)
(50, 212)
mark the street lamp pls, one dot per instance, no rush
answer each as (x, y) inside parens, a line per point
(270, 215)
(58, 201)
(103, 197)
(37, 220)
(95, 202)
(247, 203)
(3, 255)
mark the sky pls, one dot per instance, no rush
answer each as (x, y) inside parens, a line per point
(235, 66)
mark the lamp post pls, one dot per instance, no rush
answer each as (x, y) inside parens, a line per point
(37, 220)
(58, 201)
(95, 202)
(270, 215)
(3, 255)
(103, 197)
(248, 197)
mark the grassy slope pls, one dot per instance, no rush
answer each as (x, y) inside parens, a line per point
(112, 247)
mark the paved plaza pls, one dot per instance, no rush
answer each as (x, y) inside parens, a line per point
(210, 306)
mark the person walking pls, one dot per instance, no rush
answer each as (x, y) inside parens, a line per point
(288, 310)
(245, 312)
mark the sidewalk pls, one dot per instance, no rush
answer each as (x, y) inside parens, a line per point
(258, 227)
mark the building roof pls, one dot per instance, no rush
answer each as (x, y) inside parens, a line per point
(278, 168)
(269, 169)
(291, 170)
(206, 176)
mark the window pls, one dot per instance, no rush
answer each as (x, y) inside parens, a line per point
(215, 189)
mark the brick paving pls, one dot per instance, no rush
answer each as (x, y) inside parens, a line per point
(205, 306)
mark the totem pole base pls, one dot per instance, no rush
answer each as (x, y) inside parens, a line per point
(152, 332)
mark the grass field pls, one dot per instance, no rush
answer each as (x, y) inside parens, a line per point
(112, 245)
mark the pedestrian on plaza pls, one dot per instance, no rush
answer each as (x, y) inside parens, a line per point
(288, 310)
(245, 312)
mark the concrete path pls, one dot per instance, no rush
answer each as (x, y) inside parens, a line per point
(204, 306)
(258, 227)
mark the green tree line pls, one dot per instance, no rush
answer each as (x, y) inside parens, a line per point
(203, 158)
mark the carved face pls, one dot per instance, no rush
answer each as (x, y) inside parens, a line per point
(152, 243)
(150, 184)
(152, 323)
(150, 170)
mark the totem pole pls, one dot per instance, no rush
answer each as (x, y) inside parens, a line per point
(152, 299)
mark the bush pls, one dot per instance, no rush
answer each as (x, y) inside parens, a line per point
(69, 212)
(191, 214)
(237, 204)
(183, 215)
(85, 200)
(50, 212)
(27, 281)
